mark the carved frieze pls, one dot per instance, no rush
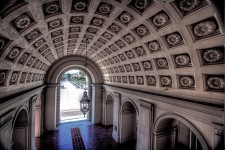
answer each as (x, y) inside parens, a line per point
(13, 53)
(151, 80)
(215, 83)
(141, 31)
(140, 51)
(182, 60)
(80, 5)
(97, 21)
(140, 80)
(55, 23)
(128, 67)
(125, 18)
(131, 80)
(147, 65)
(130, 54)
(14, 77)
(136, 66)
(51, 9)
(173, 39)
(129, 38)
(3, 77)
(140, 6)
(114, 28)
(161, 63)
(160, 20)
(186, 81)
(166, 81)
(77, 20)
(120, 43)
(105, 9)
(107, 35)
(23, 22)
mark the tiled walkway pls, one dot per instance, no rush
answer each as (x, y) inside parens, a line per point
(95, 137)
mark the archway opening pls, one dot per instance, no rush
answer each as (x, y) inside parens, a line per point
(129, 124)
(20, 132)
(109, 110)
(172, 134)
(73, 83)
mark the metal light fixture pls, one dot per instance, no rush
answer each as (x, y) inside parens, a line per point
(84, 102)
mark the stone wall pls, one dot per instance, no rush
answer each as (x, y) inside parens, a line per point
(9, 111)
(154, 111)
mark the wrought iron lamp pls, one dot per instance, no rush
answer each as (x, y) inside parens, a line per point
(85, 101)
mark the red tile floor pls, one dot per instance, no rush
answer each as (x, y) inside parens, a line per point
(95, 137)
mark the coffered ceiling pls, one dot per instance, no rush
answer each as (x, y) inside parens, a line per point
(168, 47)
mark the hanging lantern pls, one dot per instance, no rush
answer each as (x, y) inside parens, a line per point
(84, 103)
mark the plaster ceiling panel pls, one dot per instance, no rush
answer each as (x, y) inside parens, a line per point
(162, 46)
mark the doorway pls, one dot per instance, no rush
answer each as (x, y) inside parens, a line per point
(129, 124)
(20, 132)
(72, 86)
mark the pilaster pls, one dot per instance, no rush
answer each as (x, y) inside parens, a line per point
(144, 136)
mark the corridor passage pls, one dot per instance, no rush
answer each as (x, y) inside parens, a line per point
(81, 135)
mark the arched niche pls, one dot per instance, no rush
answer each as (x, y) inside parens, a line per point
(108, 109)
(52, 82)
(172, 132)
(38, 116)
(129, 118)
(20, 129)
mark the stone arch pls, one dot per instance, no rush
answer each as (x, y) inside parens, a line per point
(108, 109)
(20, 129)
(109, 97)
(169, 119)
(132, 102)
(58, 91)
(73, 61)
(52, 77)
(129, 121)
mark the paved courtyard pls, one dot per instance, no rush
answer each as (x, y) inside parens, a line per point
(70, 97)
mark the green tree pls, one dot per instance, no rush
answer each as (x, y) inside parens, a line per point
(69, 77)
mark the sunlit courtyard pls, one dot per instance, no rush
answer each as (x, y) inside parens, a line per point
(70, 95)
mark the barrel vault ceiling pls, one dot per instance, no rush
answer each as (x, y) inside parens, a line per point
(170, 47)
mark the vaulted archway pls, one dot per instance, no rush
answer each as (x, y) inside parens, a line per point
(52, 81)
(164, 47)
(175, 132)
(20, 133)
(165, 55)
(129, 121)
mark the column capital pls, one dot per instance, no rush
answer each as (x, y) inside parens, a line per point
(145, 104)
(118, 95)
(34, 98)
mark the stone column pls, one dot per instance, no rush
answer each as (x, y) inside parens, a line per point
(104, 107)
(144, 135)
(96, 103)
(38, 117)
(116, 117)
(32, 122)
(50, 107)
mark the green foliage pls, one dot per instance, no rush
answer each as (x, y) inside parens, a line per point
(78, 79)
(69, 77)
